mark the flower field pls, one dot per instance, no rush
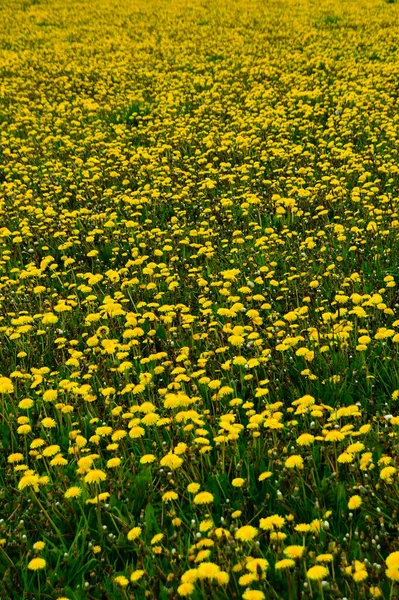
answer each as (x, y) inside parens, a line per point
(199, 324)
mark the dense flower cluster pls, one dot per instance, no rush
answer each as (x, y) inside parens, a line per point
(199, 324)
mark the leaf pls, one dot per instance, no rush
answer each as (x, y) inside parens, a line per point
(150, 520)
(160, 332)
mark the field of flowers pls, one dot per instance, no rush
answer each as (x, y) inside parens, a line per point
(199, 315)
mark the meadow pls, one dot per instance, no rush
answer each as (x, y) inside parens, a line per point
(199, 324)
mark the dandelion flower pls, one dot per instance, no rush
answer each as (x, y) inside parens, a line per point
(136, 575)
(246, 533)
(26, 404)
(387, 474)
(317, 573)
(354, 502)
(48, 423)
(392, 573)
(50, 395)
(265, 475)
(324, 558)
(134, 533)
(121, 580)
(29, 481)
(51, 450)
(36, 563)
(15, 457)
(208, 570)
(203, 498)
(73, 492)
(238, 482)
(185, 589)
(334, 436)
(253, 595)
(284, 563)
(392, 560)
(168, 496)
(38, 545)
(257, 563)
(306, 439)
(294, 462)
(6, 385)
(294, 551)
(193, 488)
(95, 476)
(172, 461)
(147, 459)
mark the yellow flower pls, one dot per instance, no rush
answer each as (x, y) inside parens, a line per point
(277, 536)
(168, 496)
(24, 429)
(285, 563)
(253, 595)
(6, 385)
(31, 480)
(134, 533)
(306, 439)
(324, 558)
(392, 573)
(193, 488)
(58, 461)
(345, 457)
(317, 573)
(387, 474)
(73, 492)
(51, 450)
(185, 589)
(392, 560)
(360, 575)
(157, 538)
(294, 462)
(203, 498)
(272, 522)
(95, 476)
(136, 432)
(294, 551)
(48, 422)
(36, 563)
(256, 564)
(303, 527)
(147, 459)
(136, 575)
(246, 533)
(208, 570)
(222, 578)
(190, 576)
(26, 404)
(334, 436)
(171, 461)
(121, 580)
(265, 475)
(37, 443)
(15, 457)
(50, 395)
(206, 525)
(39, 545)
(238, 482)
(354, 502)
(354, 448)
